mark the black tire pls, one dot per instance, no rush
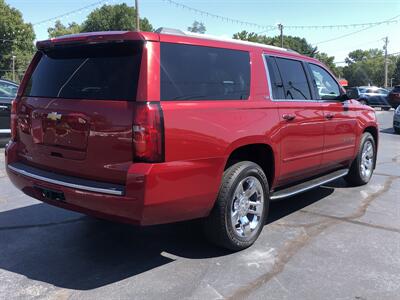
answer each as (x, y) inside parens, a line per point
(396, 130)
(218, 226)
(355, 176)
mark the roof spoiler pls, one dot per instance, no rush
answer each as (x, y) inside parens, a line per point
(90, 38)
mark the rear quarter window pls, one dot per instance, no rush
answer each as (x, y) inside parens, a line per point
(101, 72)
(203, 73)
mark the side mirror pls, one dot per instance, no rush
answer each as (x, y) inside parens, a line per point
(344, 97)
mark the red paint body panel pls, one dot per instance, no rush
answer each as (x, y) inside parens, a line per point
(199, 137)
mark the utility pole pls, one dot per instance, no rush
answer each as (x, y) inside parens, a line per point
(386, 60)
(13, 67)
(280, 27)
(137, 15)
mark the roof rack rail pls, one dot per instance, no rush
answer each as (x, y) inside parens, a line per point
(164, 30)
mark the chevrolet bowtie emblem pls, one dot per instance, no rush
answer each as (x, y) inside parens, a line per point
(54, 116)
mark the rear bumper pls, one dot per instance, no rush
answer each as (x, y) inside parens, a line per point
(394, 102)
(153, 193)
(5, 132)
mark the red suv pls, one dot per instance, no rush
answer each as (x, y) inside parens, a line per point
(151, 128)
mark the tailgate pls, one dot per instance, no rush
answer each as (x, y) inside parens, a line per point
(76, 114)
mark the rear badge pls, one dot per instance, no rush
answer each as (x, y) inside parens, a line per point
(54, 116)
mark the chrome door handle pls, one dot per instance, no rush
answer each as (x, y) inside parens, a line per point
(288, 117)
(329, 116)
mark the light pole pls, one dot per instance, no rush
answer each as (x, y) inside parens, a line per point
(13, 66)
(386, 40)
(137, 15)
(280, 27)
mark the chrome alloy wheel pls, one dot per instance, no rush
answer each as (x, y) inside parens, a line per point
(247, 207)
(367, 159)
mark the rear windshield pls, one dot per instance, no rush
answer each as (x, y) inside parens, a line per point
(102, 72)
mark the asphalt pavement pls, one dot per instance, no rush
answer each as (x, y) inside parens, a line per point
(335, 242)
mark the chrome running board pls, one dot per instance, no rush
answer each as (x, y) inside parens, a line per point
(308, 185)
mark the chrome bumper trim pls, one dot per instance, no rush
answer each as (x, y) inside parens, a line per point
(67, 181)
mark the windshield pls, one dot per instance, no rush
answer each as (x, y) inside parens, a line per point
(103, 72)
(8, 90)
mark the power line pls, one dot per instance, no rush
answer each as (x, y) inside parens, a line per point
(273, 27)
(218, 17)
(70, 12)
(357, 31)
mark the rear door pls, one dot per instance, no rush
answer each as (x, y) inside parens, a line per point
(340, 119)
(301, 120)
(75, 116)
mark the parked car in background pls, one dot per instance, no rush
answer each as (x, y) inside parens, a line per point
(394, 97)
(396, 120)
(8, 91)
(151, 128)
(370, 95)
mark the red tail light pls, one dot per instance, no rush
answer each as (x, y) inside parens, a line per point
(14, 123)
(148, 133)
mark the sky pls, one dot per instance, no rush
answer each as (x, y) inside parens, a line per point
(162, 13)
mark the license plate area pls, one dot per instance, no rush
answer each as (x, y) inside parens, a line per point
(51, 194)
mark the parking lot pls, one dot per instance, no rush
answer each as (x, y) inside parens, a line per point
(335, 242)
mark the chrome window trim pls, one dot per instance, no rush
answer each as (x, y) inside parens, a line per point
(271, 97)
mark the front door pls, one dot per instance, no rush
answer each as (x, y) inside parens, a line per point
(340, 120)
(301, 129)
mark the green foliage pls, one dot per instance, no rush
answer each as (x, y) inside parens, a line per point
(328, 61)
(16, 39)
(291, 42)
(396, 73)
(366, 67)
(197, 27)
(60, 29)
(295, 43)
(114, 17)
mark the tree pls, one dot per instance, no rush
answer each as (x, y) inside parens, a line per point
(396, 73)
(16, 39)
(197, 27)
(114, 17)
(328, 61)
(366, 67)
(292, 42)
(60, 29)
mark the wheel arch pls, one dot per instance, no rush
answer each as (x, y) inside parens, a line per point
(260, 153)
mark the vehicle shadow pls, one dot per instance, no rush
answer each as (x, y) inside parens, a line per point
(3, 142)
(73, 251)
(389, 130)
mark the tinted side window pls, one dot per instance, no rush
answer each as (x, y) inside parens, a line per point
(294, 79)
(275, 79)
(327, 87)
(203, 73)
